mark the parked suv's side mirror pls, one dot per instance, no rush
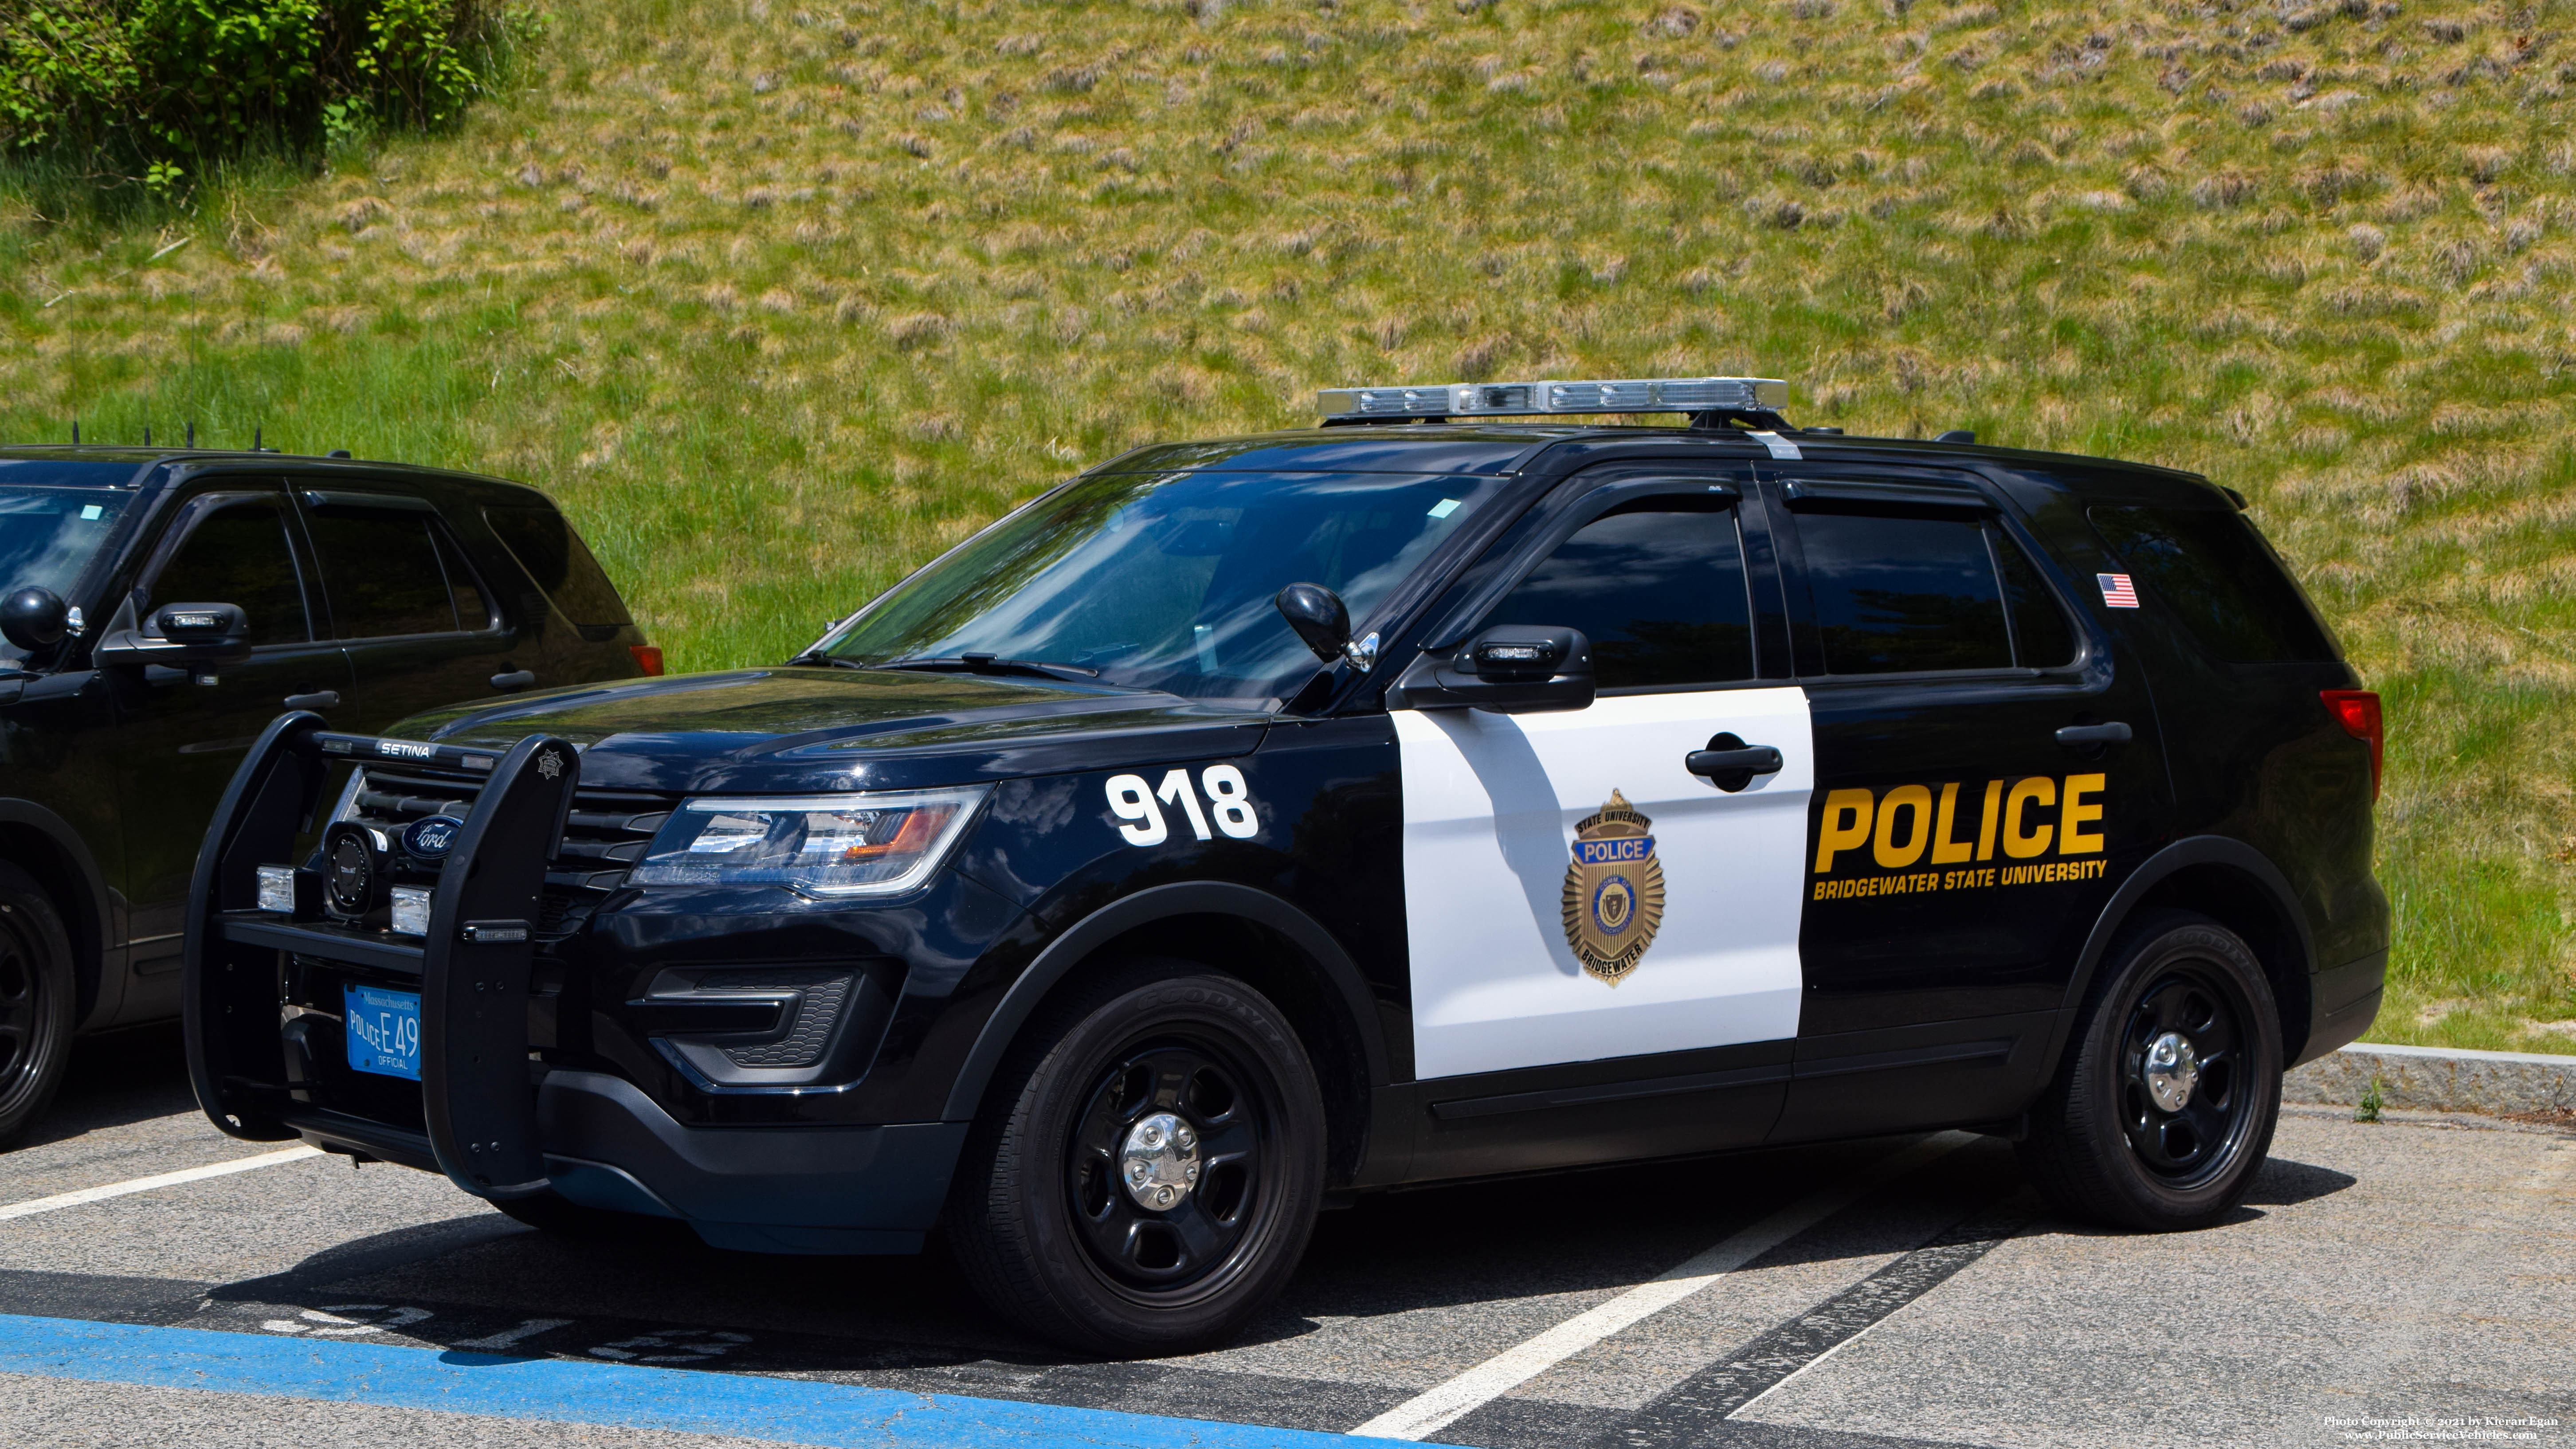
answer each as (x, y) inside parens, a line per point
(202, 623)
(1508, 669)
(34, 618)
(180, 635)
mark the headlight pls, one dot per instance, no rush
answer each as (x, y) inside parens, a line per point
(820, 845)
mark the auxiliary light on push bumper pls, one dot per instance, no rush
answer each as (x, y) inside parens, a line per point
(472, 957)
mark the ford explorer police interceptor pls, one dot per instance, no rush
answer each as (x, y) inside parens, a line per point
(1245, 825)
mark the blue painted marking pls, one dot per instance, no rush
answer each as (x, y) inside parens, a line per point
(618, 1395)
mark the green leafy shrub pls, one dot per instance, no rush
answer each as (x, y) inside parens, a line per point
(117, 86)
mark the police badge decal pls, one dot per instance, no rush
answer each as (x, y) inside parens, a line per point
(1614, 891)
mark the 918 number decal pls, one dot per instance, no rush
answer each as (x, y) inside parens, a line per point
(1229, 805)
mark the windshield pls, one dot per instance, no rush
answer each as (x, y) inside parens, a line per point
(47, 535)
(1164, 581)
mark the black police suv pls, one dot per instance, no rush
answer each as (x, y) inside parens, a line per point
(1249, 824)
(160, 609)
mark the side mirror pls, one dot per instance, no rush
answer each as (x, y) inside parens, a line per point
(1509, 669)
(202, 623)
(34, 619)
(182, 635)
(1319, 617)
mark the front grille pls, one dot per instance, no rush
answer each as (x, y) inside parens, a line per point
(604, 835)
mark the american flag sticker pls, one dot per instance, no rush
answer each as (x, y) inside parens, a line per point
(2117, 591)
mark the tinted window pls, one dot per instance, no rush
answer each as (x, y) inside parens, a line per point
(471, 611)
(239, 555)
(1657, 586)
(2042, 639)
(560, 562)
(1902, 594)
(2216, 574)
(382, 574)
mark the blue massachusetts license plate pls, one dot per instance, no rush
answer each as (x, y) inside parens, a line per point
(384, 1031)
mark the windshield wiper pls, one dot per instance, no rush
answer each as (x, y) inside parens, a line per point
(987, 664)
(817, 656)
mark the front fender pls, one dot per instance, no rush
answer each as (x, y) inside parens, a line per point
(1078, 941)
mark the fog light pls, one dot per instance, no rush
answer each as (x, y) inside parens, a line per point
(411, 910)
(277, 889)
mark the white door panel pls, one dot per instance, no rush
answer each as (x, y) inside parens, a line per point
(1491, 805)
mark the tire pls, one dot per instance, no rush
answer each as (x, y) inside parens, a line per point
(37, 994)
(565, 1218)
(2136, 1134)
(1041, 1217)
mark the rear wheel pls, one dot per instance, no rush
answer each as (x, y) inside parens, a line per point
(2164, 1107)
(36, 1002)
(1147, 1171)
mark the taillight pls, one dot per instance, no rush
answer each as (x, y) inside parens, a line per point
(648, 657)
(2357, 710)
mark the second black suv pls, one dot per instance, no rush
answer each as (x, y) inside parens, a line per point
(160, 608)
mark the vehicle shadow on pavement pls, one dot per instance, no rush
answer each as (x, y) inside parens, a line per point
(478, 1275)
(116, 1079)
(2284, 1183)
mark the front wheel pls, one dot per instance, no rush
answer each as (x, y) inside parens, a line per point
(2164, 1107)
(1147, 1171)
(36, 1002)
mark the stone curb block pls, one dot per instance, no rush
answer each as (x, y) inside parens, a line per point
(2430, 1079)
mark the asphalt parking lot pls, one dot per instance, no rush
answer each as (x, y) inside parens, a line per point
(2414, 1279)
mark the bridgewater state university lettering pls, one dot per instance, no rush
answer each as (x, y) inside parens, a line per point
(1911, 825)
(1979, 878)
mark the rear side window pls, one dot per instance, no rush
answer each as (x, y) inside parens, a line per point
(554, 555)
(1908, 593)
(239, 555)
(382, 573)
(2217, 576)
(1657, 586)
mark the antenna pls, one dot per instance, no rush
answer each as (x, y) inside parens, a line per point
(147, 435)
(75, 432)
(192, 432)
(254, 440)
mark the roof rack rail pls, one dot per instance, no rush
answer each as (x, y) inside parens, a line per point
(1712, 402)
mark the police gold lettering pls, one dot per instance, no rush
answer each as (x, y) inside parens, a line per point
(2072, 838)
(1916, 801)
(1986, 822)
(2019, 843)
(1946, 851)
(1845, 826)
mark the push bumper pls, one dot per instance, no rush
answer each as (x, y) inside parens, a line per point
(494, 1120)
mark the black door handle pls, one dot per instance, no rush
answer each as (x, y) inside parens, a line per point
(2078, 736)
(515, 679)
(318, 699)
(1730, 764)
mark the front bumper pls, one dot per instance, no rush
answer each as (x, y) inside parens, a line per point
(489, 1111)
(875, 1189)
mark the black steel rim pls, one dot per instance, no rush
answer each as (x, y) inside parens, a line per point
(1184, 1250)
(25, 1018)
(2191, 1145)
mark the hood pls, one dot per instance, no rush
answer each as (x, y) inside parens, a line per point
(773, 731)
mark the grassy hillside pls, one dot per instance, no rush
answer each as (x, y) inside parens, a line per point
(779, 298)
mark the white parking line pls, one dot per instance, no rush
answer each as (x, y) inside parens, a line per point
(145, 1184)
(1441, 1406)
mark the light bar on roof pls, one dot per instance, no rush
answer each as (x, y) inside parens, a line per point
(1530, 399)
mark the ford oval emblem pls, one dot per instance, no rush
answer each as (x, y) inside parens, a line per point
(431, 839)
